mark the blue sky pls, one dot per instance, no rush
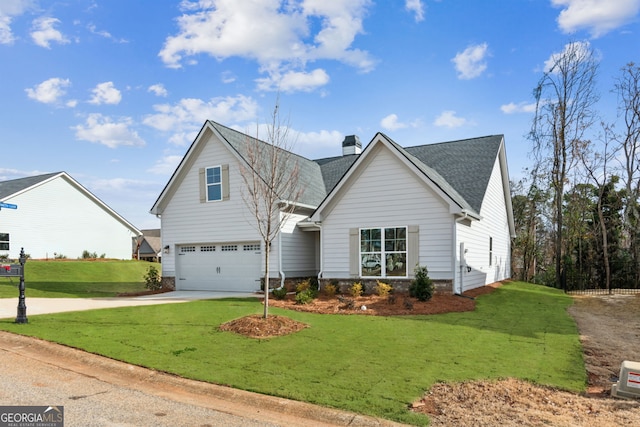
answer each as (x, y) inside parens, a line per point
(114, 91)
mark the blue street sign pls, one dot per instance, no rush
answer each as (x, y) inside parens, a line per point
(8, 205)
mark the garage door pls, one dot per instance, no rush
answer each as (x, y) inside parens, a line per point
(219, 267)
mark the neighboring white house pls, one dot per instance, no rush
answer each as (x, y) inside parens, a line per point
(57, 216)
(365, 215)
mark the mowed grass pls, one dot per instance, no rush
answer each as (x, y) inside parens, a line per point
(366, 364)
(78, 278)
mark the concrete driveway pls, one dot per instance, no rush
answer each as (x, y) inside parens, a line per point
(9, 306)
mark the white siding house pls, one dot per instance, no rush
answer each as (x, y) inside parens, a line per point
(366, 215)
(57, 216)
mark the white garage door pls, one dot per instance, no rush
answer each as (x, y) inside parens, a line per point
(219, 267)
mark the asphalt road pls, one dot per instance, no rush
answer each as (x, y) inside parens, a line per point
(98, 391)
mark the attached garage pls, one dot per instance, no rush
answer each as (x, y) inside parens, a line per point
(219, 267)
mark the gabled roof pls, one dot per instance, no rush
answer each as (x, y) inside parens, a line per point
(460, 169)
(15, 187)
(309, 172)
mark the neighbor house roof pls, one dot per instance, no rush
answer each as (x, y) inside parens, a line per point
(15, 187)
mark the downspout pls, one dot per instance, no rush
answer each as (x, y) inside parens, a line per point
(282, 277)
(321, 258)
(455, 248)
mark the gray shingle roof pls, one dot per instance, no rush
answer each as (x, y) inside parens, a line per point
(309, 173)
(465, 164)
(460, 168)
(13, 186)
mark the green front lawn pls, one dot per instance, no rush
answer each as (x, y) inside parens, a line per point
(78, 278)
(371, 365)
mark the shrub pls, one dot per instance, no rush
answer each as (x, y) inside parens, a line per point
(383, 289)
(355, 290)
(59, 256)
(88, 255)
(349, 303)
(330, 290)
(421, 286)
(305, 297)
(303, 286)
(279, 293)
(152, 279)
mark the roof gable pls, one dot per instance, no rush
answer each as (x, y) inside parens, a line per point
(15, 187)
(238, 143)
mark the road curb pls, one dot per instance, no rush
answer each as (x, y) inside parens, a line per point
(225, 399)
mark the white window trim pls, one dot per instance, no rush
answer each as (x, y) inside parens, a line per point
(383, 253)
(207, 185)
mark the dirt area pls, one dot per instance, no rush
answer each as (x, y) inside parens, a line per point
(609, 331)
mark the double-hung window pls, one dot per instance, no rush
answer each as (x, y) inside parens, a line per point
(214, 183)
(383, 252)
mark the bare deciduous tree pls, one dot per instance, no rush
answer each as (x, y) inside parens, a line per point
(596, 165)
(627, 87)
(565, 98)
(271, 176)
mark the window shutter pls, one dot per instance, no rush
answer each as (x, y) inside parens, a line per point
(203, 186)
(413, 249)
(225, 182)
(354, 252)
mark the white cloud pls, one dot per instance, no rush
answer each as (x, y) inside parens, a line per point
(521, 107)
(471, 62)
(105, 93)
(103, 33)
(597, 16)
(391, 122)
(449, 119)
(186, 117)
(417, 7)
(580, 49)
(324, 138)
(280, 35)
(103, 130)
(49, 91)
(43, 32)
(293, 81)
(9, 9)
(158, 89)
(166, 165)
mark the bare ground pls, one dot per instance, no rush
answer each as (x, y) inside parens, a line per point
(609, 329)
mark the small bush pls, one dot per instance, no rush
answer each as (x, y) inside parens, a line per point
(279, 293)
(152, 279)
(383, 289)
(391, 299)
(421, 286)
(330, 290)
(355, 290)
(349, 303)
(89, 255)
(305, 297)
(59, 256)
(303, 286)
(408, 304)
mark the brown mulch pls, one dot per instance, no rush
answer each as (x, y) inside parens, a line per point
(256, 326)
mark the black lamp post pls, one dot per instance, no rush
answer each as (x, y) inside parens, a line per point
(22, 307)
